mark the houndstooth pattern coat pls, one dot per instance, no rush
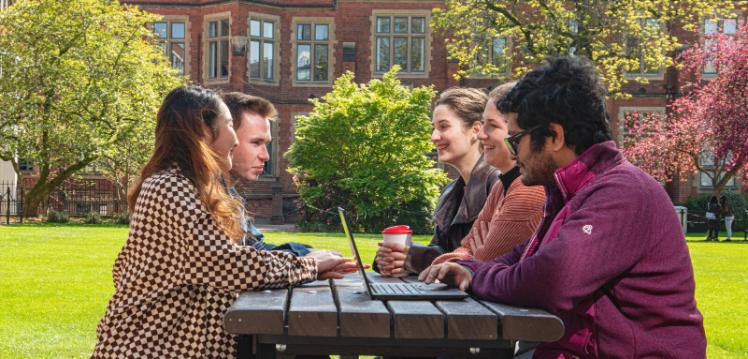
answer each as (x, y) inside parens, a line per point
(178, 273)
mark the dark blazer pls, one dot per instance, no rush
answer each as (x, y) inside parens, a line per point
(457, 209)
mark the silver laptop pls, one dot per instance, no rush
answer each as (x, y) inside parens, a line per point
(400, 291)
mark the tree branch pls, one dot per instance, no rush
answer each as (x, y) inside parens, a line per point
(508, 15)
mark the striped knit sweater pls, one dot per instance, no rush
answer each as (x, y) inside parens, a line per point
(507, 219)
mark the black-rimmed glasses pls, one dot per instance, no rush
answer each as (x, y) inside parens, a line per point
(512, 142)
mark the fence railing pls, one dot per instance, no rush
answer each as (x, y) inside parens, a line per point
(76, 198)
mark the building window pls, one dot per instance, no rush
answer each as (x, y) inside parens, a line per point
(706, 183)
(6, 3)
(495, 54)
(713, 27)
(400, 40)
(171, 37)
(262, 46)
(312, 52)
(25, 166)
(626, 117)
(218, 49)
(634, 46)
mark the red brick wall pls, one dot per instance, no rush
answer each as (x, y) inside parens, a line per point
(352, 24)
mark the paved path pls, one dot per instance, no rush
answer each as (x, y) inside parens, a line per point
(277, 227)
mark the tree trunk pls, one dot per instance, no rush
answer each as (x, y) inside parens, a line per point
(34, 198)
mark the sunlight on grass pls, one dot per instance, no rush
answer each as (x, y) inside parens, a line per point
(56, 280)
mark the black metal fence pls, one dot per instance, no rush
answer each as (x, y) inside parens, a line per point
(697, 223)
(75, 198)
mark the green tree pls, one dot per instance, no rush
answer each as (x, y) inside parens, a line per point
(620, 37)
(80, 80)
(365, 147)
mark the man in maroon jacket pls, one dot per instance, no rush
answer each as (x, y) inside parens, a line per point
(609, 257)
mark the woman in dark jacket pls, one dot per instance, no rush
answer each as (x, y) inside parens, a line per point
(456, 121)
(712, 219)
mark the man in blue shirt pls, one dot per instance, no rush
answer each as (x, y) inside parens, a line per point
(252, 116)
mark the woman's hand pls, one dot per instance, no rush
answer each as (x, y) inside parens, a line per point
(391, 259)
(330, 265)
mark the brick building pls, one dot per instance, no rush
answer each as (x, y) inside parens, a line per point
(291, 50)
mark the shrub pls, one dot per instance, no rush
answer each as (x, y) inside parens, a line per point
(92, 218)
(57, 216)
(364, 147)
(122, 218)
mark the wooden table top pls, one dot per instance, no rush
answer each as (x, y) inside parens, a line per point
(341, 310)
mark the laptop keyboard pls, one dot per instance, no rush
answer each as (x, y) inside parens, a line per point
(394, 288)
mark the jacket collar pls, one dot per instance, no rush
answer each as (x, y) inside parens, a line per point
(597, 159)
(471, 197)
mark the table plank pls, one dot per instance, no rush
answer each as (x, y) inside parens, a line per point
(359, 315)
(416, 320)
(527, 324)
(257, 312)
(468, 319)
(312, 311)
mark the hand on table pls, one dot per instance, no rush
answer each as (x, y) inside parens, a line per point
(391, 259)
(449, 273)
(330, 265)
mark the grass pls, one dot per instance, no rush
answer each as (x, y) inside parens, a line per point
(55, 282)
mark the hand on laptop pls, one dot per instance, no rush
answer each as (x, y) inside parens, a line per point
(391, 258)
(449, 273)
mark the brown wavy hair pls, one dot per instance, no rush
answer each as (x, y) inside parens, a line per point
(185, 128)
(467, 103)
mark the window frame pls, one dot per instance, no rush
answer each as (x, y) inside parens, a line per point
(207, 19)
(623, 110)
(186, 40)
(427, 36)
(740, 20)
(277, 43)
(659, 75)
(330, 42)
(508, 59)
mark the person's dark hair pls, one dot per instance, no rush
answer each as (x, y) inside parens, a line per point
(186, 126)
(238, 102)
(566, 91)
(467, 103)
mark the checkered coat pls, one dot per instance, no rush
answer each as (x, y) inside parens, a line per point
(178, 273)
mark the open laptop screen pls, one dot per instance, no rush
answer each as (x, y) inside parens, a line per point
(354, 249)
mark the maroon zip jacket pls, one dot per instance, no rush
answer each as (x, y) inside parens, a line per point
(609, 258)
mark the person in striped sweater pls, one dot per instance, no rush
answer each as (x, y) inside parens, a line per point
(512, 211)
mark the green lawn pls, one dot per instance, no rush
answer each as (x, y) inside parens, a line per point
(55, 282)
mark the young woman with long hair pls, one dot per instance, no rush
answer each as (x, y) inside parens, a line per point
(456, 119)
(181, 266)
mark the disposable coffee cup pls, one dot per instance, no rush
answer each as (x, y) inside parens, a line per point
(401, 234)
(398, 235)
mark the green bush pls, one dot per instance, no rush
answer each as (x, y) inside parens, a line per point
(57, 217)
(364, 147)
(92, 218)
(122, 218)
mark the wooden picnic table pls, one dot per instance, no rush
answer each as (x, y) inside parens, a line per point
(338, 317)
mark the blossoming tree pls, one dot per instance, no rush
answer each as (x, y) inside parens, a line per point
(707, 128)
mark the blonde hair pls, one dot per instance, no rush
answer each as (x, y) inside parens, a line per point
(499, 92)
